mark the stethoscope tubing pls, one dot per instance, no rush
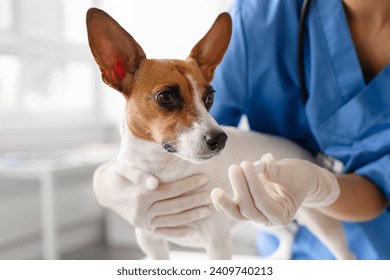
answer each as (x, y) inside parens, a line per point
(300, 50)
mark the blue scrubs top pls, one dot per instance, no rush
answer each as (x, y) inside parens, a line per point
(344, 117)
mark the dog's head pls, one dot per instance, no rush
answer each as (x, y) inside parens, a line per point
(167, 101)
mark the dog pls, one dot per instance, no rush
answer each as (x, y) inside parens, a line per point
(167, 131)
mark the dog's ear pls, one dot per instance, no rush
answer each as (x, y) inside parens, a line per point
(209, 51)
(116, 52)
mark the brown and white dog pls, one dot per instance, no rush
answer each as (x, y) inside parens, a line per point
(168, 132)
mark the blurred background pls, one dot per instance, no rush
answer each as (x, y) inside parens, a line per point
(58, 121)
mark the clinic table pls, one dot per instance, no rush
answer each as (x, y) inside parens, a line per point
(43, 168)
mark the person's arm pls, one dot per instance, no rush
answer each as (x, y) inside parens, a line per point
(359, 200)
(230, 77)
(273, 196)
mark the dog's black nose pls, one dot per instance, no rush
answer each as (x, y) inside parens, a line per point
(216, 140)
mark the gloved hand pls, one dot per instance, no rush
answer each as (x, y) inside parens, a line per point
(273, 196)
(139, 198)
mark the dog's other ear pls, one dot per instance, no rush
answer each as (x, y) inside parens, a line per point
(209, 51)
(116, 52)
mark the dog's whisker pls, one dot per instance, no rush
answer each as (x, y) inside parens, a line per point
(174, 159)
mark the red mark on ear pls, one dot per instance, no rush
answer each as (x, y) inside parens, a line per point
(120, 68)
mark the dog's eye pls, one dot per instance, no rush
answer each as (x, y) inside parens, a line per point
(169, 98)
(209, 98)
(166, 98)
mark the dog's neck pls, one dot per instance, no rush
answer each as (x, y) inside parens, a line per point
(149, 156)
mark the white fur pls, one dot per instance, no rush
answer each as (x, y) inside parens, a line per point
(213, 232)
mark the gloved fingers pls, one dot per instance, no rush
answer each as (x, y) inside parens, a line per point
(286, 171)
(136, 176)
(180, 187)
(174, 232)
(224, 204)
(243, 196)
(265, 203)
(280, 173)
(259, 166)
(180, 219)
(297, 178)
(99, 186)
(271, 169)
(181, 203)
(292, 177)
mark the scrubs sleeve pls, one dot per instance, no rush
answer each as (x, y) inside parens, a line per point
(230, 77)
(379, 173)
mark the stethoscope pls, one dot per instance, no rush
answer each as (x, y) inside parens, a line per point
(300, 54)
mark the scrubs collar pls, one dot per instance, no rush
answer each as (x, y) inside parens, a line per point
(341, 48)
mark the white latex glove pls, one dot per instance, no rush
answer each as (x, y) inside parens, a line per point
(271, 193)
(137, 196)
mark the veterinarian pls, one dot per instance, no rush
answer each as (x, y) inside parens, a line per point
(344, 113)
(337, 105)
